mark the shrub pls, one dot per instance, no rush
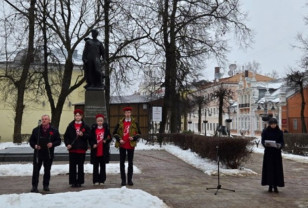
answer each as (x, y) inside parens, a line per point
(232, 151)
(296, 143)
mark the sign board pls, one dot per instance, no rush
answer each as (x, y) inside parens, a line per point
(157, 114)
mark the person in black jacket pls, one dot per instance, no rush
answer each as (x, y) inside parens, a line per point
(100, 143)
(272, 170)
(43, 140)
(76, 140)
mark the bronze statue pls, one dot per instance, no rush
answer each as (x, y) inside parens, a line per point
(92, 57)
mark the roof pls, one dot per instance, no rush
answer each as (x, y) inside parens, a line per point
(237, 77)
(135, 98)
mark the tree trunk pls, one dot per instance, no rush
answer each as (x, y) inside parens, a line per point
(304, 128)
(107, 68)
(65, 91)
(21, 84)
(221, 103)
(171, 68)
(199, 116)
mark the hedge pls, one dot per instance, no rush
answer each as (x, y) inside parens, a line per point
(296, 143)
(232, 151)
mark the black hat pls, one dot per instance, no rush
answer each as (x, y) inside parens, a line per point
(273, 121)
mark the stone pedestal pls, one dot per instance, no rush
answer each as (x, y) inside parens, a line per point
(95, 103)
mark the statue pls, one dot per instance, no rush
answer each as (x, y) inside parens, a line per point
(92, 57)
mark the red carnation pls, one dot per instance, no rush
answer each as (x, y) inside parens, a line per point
(83, 130)
(51, 133)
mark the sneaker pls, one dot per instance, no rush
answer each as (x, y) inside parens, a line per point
(46, 188)
(96, 183)
(101, 184)
(74, 185)
(123, 183)
(34, 189)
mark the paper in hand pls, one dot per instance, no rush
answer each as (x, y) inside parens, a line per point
(270, 143)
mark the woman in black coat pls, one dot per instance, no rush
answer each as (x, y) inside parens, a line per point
(272, 171)
(100, 143)
(76, 140)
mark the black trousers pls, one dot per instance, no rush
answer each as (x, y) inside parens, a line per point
(37, 164)
(130, 157)
(99, 170)
(76, 169)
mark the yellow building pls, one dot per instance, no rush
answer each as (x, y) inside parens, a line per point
(34, 109)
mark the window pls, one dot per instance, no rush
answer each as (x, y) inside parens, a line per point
(295, 124)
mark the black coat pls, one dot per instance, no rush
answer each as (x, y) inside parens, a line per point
(106, 146)
(70, 136)
(272, 171)
(38, 137)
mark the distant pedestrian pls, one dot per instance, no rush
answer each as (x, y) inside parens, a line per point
(100, 143)
(43, 140)
(272, 171)
(127, 133)
(76, 140)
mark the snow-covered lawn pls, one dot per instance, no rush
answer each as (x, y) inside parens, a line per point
(207, 166)
(56, 169)
(297, 158)
(98, 198)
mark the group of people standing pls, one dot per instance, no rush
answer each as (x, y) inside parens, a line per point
(78, 138)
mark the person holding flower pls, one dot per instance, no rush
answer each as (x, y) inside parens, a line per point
(100, 143)
(127, 133)
(76, 140)
(43, 140)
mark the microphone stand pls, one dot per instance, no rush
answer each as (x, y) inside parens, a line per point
(218, 175)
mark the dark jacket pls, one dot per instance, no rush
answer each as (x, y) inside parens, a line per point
(134, 131)
(272, 170)
(106, 146)
(70, 136)
(38, 137)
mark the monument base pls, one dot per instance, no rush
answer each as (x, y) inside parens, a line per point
(95, 103)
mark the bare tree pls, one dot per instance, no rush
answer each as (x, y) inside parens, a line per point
(298, 80)
(200, 102)
(26, 11)
(190, 32)
(223, 96)
(68, 24)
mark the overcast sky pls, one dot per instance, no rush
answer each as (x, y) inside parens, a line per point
(276, 24)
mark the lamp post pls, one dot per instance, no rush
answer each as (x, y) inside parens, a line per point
(266, 116)
(229, 120)
(205, 121)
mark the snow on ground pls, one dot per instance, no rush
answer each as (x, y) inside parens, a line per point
(56, 169)
(113, 198)
(207, 166)
(4, 145)
(297, 158)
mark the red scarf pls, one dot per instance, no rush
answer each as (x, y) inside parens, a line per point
(100, 141)
(126, 126)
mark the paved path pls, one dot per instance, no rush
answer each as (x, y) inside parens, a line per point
(182, 186)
